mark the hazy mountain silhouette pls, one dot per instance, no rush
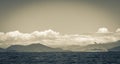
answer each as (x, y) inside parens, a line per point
(101, 47)
(94, 47)
(5, 50)
(111, 46)
(34, 48)
(2, 50)
(115, 49)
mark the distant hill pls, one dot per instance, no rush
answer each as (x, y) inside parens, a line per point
(2, 50)
(33, 48)
(115, 49)
(101, 47)
(5, 50)
(93, 47)
(111, 46)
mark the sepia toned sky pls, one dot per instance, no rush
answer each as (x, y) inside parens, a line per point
(57, 23)
(65, 16)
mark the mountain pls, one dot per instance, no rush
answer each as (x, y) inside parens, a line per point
(5, 50)
(93, 47)
(2, 50)
(111, 46)
(34, 48)
(115, 49)
(101, 47)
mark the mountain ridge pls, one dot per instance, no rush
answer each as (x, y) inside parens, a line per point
(111, 46)
(31, 48)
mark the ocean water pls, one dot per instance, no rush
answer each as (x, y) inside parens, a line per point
(60, 58)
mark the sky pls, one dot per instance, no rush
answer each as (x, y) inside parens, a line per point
(65, 16)
(59, 22)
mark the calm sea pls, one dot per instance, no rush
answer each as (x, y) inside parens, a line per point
(60, 58)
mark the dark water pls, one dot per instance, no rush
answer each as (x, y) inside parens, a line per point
(60, 58)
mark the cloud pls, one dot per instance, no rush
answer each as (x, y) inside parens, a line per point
(16, 37)
(45, 34)
(118, 30)
(103, 30)
(53, 38)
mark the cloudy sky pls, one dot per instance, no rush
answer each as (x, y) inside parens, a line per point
(59, 22)
(56, 39)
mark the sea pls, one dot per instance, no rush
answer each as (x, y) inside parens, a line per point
(60, 58)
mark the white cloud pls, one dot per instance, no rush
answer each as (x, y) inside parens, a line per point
(103, 30)
(2, 36)
(118, 30)
(45, 34)
(50, 38)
